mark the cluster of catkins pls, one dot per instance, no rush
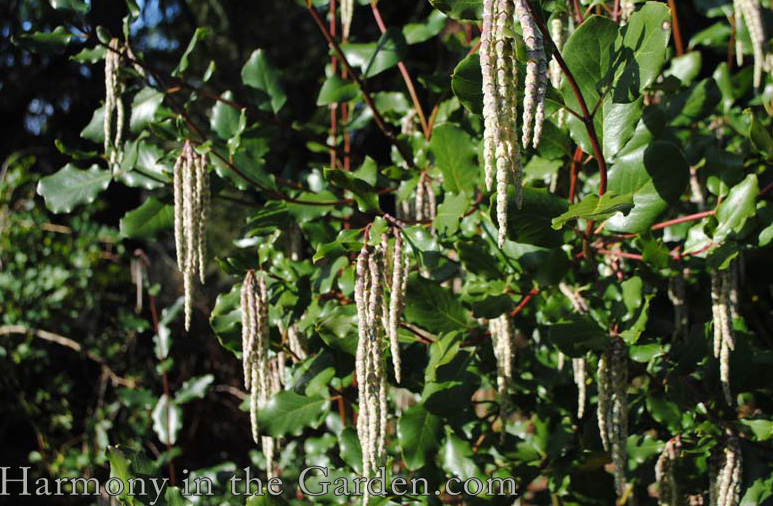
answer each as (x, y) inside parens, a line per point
(579, 365)
(424, 204)
(725, 468)
(378, 319)
(255, 343)
(724, 307)
(613, 406)
(501, 150)
(114, 108)
(668, 493)
(750, 12)
(191, 209)
(503, 342)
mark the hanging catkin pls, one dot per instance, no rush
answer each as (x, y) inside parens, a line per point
(613, 406)
(191, 209)
(668, 493)
(726, 465)
(751, 12)
(255, 344)
(722, 313)
(503, 343)
(347, 13)
(579, 365)
(114, 108)
(536, 76)
(396, 303)
(501, 157)
(558, 34)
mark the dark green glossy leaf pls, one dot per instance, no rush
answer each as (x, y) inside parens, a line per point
(152, 217)
(259, 74)
(454, 153)
(467, 83)
(419, 433)
(70, 187)
(593, 207)
(287, 413)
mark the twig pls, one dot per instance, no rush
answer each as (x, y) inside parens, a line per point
(68, 343)
(677, 33)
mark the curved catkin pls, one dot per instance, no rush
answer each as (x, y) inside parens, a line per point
(724, 338)
(395, 303)
(726, 467)
(503, 344)
(604, 399)
(203, 186)
(488, 74)
(536, 76)
(247, 305)
(347, 14)
(752, 16)
(619, 419)
(420, 197)
(191, 211)
(255, 345)
(114, 107)
(579, 370)
(668, 492)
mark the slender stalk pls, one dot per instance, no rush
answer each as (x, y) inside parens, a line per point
(675, 24)
(684, 219)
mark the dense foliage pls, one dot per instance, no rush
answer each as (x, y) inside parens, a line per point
(615, 347)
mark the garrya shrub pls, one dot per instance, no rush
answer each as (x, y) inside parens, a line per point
(561, 178)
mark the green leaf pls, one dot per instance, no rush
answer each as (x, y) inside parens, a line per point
(147, 220)
(532, 223)
(762, 430)
(364, 194)
(578, 335)
(460, 9)
(287, 413)
(71, 186)
(434, 307)
(614, 68)
(338, 328)
(44, 42)
(199, 35)
(593, 207)
(224, 119)
(226, 320)
(351, 451)
(655, 174)
(759, 137)
(269, 218)
(467, 83)
(457, 458)
(77, 6)
(144, 108)
(694, 104)
(337, 90)
(194, 388)
(416, 33)
(259, 74)
(167, 420)
(95, 130)
(419, 433)
(450, 212)
(375, 58)
(739, 205)
(642, 52)
(454, 153)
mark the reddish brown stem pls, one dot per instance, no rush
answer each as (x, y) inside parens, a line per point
(675, 24)
(684, 219)
(525, 300)
(405, 74)
(573, 173)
